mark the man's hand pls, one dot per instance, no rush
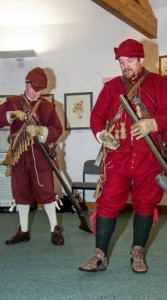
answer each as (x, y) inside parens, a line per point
(143, 127)
(34, 130)
(108, 140)
(18, 114)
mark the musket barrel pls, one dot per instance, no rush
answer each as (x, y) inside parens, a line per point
(147, 138)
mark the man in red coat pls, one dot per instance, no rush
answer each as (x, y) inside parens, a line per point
(129, 164)
(31, 176)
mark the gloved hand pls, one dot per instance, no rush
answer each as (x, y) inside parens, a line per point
(108, 140)
(143, 127)
(34, 130)
(18, 114)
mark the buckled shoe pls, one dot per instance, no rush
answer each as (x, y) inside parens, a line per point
(19, 237)
(137, 260)
(98, 262)
(57, 237)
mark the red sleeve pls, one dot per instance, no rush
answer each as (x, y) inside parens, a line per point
(107, 104)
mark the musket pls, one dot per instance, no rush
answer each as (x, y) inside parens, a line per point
(160, 178)
(83, 226)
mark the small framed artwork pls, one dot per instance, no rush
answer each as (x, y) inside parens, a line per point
(49, 97)
(78, 107)
(163, 65)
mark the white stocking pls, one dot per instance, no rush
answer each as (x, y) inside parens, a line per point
(23, 215)
(51, 213)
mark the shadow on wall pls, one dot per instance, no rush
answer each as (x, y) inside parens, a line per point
(61, 151)
(63, 169)
(151, 56)
(51, 80)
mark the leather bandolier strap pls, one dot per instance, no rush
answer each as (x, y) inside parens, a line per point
(131, 89)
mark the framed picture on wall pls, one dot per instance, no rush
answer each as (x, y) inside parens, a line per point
(78, 107)
(163, 65)
(49, 97)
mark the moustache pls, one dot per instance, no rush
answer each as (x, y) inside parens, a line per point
(127, 70)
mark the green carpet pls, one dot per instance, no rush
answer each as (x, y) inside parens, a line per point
(39, 270)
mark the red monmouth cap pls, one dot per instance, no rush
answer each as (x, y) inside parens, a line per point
(37, 78)
(129, 48)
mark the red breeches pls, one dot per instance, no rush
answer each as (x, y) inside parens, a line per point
(29, 186)
(130, 174)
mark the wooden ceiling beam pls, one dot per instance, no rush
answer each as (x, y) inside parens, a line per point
(136, 13)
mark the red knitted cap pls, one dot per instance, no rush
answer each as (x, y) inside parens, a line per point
(129, 48)
(37, 78)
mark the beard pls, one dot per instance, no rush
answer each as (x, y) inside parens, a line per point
(129, 73)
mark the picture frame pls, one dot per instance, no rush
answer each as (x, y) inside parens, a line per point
(49, 97)
(78, 107)
(163, 65)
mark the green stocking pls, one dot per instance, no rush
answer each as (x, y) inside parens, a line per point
(104, 230)
(141, 229)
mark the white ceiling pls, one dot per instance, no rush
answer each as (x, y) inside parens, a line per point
(42, 12)
(158, 3)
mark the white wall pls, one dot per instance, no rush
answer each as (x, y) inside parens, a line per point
(76, 57)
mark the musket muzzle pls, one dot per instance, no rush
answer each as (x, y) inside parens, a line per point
(161, 180)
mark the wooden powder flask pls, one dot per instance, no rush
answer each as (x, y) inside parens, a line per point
(8, 171)
(123, 131)
(19, 145)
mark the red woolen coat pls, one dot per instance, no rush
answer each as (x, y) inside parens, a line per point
(32, 177)
(133, 162)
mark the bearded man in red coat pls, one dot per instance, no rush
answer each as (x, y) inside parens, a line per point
(31, 176)
(128, 164)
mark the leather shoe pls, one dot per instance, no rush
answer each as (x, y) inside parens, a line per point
(137, 260)
(98, 262)
(19, 237)
(57, 237)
